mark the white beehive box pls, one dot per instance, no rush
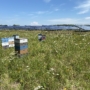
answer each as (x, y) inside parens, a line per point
(21, 40)
(11, 45)
(5, 44)
(11, 39)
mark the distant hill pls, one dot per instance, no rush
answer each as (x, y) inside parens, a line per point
(47, 27)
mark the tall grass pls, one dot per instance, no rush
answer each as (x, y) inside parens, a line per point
(61, 62)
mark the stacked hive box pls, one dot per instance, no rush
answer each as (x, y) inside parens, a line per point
(5, 43)
(16, 36)
(21, 46)
(41, 37)
(11, 41)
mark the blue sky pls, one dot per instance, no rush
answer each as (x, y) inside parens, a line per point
(44, 12)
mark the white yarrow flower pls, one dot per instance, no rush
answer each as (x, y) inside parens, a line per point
(27, 66)
(52, 69)
(38, 87)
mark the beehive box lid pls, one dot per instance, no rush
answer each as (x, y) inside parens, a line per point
(21, 40)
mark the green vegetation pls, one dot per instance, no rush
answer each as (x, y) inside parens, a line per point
(61, 62)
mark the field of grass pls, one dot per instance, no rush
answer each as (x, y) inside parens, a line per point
(61, 62)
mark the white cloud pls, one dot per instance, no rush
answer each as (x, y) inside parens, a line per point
(41, 12)
(38, 12)
(56, 9)
(87, 18)
(10, 21)
(64, 20)
(83, 11)
(69, 21)
(62, 4)
(16, 15)
(30, 14)
(34, 23)
(84, 7)
(33, 17)
(47, 1)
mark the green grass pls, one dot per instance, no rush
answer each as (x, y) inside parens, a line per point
(61, 62)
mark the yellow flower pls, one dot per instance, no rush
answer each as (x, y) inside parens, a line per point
(64, 89)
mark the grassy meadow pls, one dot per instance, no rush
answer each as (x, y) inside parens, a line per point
(61, 62)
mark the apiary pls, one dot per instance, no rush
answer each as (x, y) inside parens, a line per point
(4, 42)
(21, 46)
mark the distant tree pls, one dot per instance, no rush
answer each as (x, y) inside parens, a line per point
(15, 25)
(5, 25)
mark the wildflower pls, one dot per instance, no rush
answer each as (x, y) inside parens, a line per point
(27, 66)
(56, 51)
(57, 74)
(51, 69)
(54, 41)
(39, 87)
(53, 73)
(76, 44)
(48, 72)
(12, 53)
(64, 89)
